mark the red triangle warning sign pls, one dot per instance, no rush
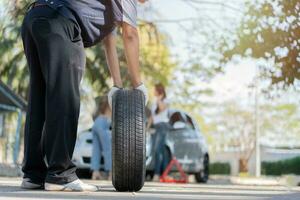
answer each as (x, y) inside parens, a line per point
(167, 179)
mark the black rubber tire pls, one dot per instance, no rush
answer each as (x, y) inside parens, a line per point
(84, 173)
(149, 175)
(203, 176)
(128, 140)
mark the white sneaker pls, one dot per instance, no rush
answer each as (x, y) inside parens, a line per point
(76, 185)
(29, 185)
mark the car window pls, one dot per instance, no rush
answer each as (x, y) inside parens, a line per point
(175, 117)
(190, 122)
(182, 117)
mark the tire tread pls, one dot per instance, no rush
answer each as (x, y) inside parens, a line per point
(128, 140)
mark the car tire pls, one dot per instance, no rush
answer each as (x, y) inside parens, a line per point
(149, 175)
(203, 175)
(84, 173)
(128, 140)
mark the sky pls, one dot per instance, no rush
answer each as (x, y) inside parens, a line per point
(179, 9)
(236, 79)
(238, 76)
(233, 84)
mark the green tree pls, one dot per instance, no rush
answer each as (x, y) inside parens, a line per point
(270, 30)
(281, 121)
(12, 61)
(155, 56)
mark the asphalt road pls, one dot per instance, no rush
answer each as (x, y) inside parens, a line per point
(10, 190)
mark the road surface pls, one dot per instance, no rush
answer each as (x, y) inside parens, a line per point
(9, 190)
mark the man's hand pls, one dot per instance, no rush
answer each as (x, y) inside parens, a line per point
(143, 88)
(110, 94)
(114, 89)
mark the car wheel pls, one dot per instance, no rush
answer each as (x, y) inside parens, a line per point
(128, 140)
(149, 175)
(203, 175)
(84, 173)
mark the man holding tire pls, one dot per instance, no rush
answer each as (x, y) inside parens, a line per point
(125, 15)
(54, 34)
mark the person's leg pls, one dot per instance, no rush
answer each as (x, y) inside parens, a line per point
(165, 153)
(96, 157)
(96, 153)
(105, 140)
(62, 58)
(158, 145)
(34, 167)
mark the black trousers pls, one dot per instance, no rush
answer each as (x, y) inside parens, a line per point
(56, 59)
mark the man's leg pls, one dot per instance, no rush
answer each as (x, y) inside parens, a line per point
(63, 60)
(34, 167)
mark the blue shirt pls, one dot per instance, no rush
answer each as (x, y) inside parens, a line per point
(96, 18)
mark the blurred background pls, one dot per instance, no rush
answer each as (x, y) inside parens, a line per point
(233, 66)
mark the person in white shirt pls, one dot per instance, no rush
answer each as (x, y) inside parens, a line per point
(160, 120)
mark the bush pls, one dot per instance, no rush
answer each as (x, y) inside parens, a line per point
(288, 166)
(219, 168)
